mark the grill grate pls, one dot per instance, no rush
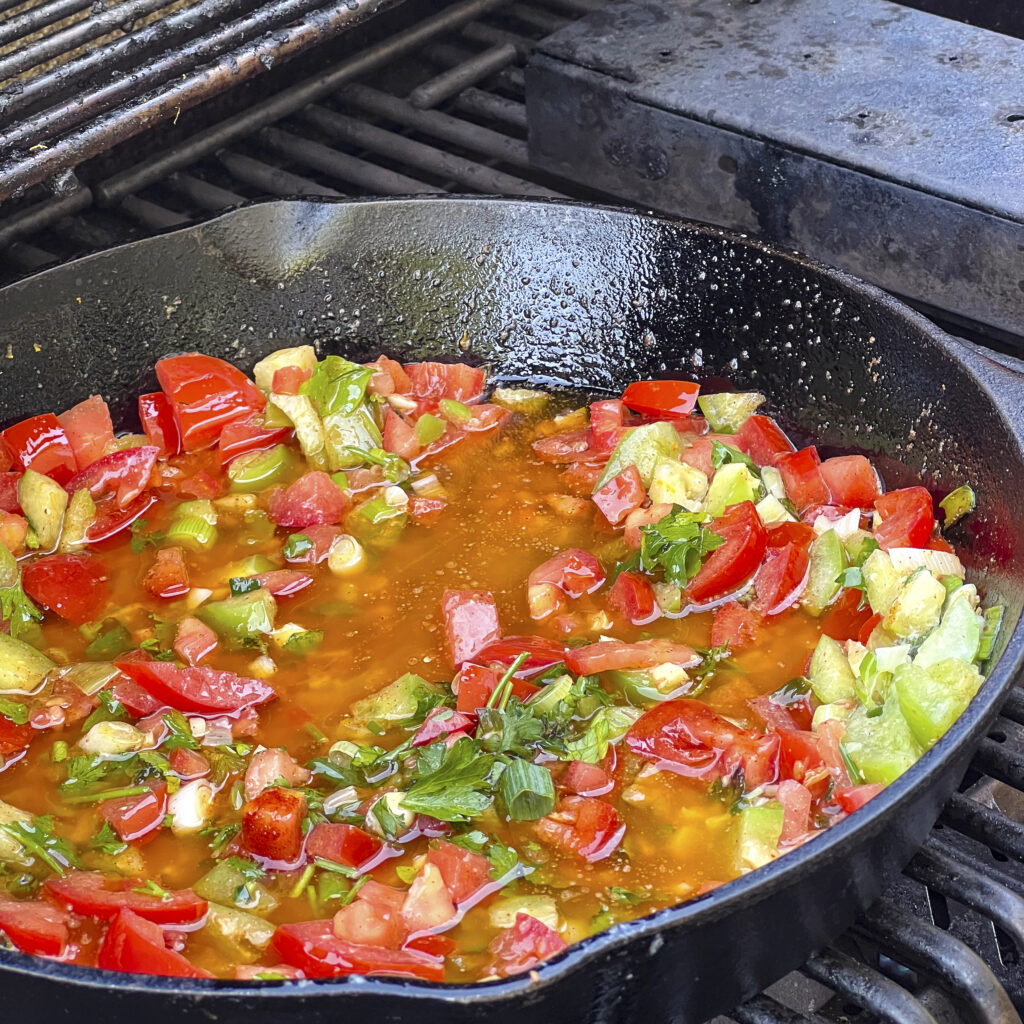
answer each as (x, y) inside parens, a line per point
(439, 106)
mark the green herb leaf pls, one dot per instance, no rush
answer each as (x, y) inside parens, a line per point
(336, 386)
(503, 859)
(151, 888)
(178, 732)
(677, 545)
(723, 454)
(107, 841)
(38, 839)
(302, 643)
(17, 609)
(297, 545)
(17, 713)
(243, 585)
(452, 784)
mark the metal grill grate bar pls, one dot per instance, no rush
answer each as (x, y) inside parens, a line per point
(493, 108)
(202, 193)
(31, 21)
(271, 180)
(464, 74)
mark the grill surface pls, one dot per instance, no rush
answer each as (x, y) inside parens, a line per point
(439, 106)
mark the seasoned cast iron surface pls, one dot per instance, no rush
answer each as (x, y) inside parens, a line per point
(592, 297)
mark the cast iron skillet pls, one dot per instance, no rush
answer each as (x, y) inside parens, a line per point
(594, 297)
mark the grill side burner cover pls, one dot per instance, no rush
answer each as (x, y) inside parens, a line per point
(872, 136)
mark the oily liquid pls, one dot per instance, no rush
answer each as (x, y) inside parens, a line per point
(386, 621)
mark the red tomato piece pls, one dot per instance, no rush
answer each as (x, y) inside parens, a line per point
(470, 622)
(799, 534)
(519, 948)
(698, 455)
(941, 544)
(606, 422)
(321, 539)
(621, 495)
(159, 424)
(206, 394)
(272, 825)
(428, 904)
(344, 844)
(661, 397)
(272, 767)
(313, 947)
(284, 582)
(123, 475)
(374, 918)
(781, 579)
(796, 801)
(541, 653)
(76, 587)
(6, 458)
(199, 690)
(435, 381)
(136, 946)
(92, 895)
(853, 798)
(242, 437)
(572, 572)
(908, 518)
(801, 476)
(426, 511)
(466, 875)
(399, 436)
(611, 655)
(868, 628)
(9, 492)
(851, 480)
(40, 443)
(111, 520)
(687, 737)
(14, 738)
(585, 779)
(289, 379)
(135, 817)
(583, 825)
(730, 564)
(13, 532)
(312, 500)
(194, 640)
(799, 753)
(167, 577)
(443, 722)
(734, 626)
(641, 517)
(476, 684)
(35, 927)
(775, 716)
(572, 446)
(762, 439)
(88, 429)
(633, 596)
(188, 764)
(485, 416)
(845, 618)
(389, 377)
(135, 700)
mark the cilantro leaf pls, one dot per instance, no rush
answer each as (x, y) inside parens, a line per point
(107, 841)
(452, 784)
(503, 859)
(677, 545)
(17, 608)
(723, 454)
(38, 839)
(140, 540)
(336, 386)
(179, 734)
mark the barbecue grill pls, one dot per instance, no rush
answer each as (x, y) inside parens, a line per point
(120, 121)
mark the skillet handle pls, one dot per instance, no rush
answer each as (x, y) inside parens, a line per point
(1003, 374)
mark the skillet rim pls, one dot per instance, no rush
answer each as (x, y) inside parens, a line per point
(726, 899)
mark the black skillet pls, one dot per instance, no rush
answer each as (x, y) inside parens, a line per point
(595, 297)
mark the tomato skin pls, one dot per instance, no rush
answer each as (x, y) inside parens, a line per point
(466, 875)
(9, 492)
(781, 579)
(344, 844)
(389, 377)
(194, 640)
(661, 397)
(470, 622)
(167, 577)
(606, 421)
(289, 379)
(313, 947)
(541, 653)
(845, 619)
(435, 381)
(111, 520)
(801, 476)
(633, 596)
(853, 798)
(851, 480)
(762, 439)
(572, 572)
(14, 738)
(399, 436)
(188, 764)
(734, 626)
(609, 655)
(159, 424)
(908, 518)
(206, 394)
(745, 538)
(519, 948)
(40, 443)
(800, 534)
(90, 894)
(35, 927)
(444, 723)
(200, 690)
(685, 736)
(584, 825)
(135, 817)
(272, 825)
(88, 429)
(312, 500)
(123, 475)
(242, 437)
(585, 779)
(76, 587)
(136, 946)
(621, 495)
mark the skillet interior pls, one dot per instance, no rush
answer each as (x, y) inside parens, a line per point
(593, 297)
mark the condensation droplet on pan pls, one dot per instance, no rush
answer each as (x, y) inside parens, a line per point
(656, 943)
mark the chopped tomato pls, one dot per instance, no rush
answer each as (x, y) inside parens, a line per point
(426, 511)
(76, 587)
(313, 947)
(135, 700)
(868, 628)
(632, 595)
(527, 943)
(344, 844)
(88, 429)
(111, 520)
(612, 655)
(428, 904)
(540, 652)
(641, 517)
(92, 895)
(159, 424)
(242, 437)
(40, 443)
(35, 927)
(762, 439)
(830, 513)
(621, 495)
(9, 492)
(799, 753)
(851, 480)
(284, 582)
(583, 825)
(775, 716)
(188, 764)
(13, 532)
(135, 945)
(470, 622)
(289, 379)
(443, 722)
(6, 459)
(312, 500)
(845, 618)
(321, 540)
(135, 817)
(200, 690)
(167, 577)
(687, 737)
(572, 446)
(606, 422)
(123, 475)
(272, 825)
(476, 684)
(374, 918)
(661, 397)
(853, 798)
(585, 779)
(194, 640)
(941, 544)
(572, 572)
(389, 377)
(466, 874)
(732, 563)
(796, 801)
(781, 579)
(801, 476)
(734, 626)
(399, 436)
(698, 455)
(273, 767)
(485, 416)
(14, 738)
(206, 394)
(908, 518)
(435, 381)
(800, 534)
